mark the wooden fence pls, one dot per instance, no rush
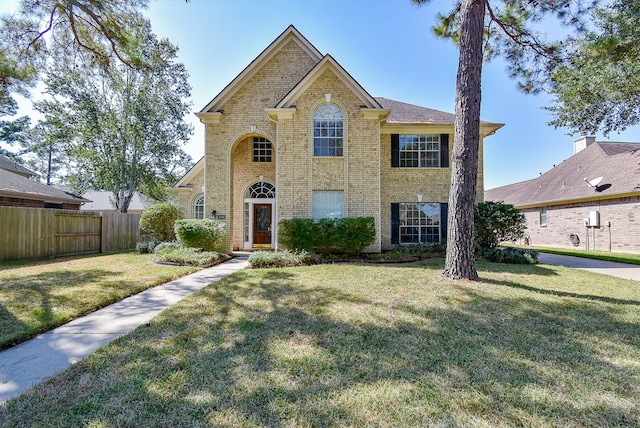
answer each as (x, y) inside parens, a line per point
(36, 233)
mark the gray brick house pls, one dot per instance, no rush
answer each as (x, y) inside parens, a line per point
(294, 135)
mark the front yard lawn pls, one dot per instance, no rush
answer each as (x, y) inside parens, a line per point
(366, 345)
(37, 296)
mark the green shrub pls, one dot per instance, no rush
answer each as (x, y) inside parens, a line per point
(297, 234)
(353, 235)
(286, 258)
(175, 252)
(145, 247)
(159, 218)
(497, 222)
(517, 256)
(206, 234)
(326, 236)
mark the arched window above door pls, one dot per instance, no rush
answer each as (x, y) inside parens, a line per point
(261, 190)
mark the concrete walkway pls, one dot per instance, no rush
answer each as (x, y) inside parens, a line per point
(621, 270)
(31, 362)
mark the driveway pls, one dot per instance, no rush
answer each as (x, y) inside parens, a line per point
(621, 270)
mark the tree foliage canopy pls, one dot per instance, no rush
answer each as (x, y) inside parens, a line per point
(125, 125)
(600, 89)
(50, 31)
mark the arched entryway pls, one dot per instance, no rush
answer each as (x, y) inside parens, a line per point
(259, 202)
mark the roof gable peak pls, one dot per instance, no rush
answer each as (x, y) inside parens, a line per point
(290, 34)
(328, 62)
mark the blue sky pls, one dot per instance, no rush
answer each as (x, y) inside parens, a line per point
(386, 45)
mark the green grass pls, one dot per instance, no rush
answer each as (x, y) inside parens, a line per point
(599, 255)
(366, 345)
(37, 296)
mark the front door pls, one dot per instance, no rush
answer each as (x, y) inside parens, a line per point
(262, 225)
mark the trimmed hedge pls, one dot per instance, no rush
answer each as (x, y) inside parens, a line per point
(206, 234)
(326, 236)
(286, 258)
(177, 253)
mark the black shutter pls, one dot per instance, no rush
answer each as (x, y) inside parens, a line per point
(444, 216)
(395, 223)
(444, 150)
(395, 150)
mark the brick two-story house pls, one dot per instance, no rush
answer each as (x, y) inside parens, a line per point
(294, 135)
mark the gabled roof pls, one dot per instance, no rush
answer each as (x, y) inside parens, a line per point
(617, 163)
(329, 63)
(11, 166)
(290, 34)
(191, 174)
(17, 186)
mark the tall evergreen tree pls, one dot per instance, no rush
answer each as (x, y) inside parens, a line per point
(483, 29)
(44, 150)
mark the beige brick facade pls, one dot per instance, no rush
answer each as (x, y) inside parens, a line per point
(275, 98)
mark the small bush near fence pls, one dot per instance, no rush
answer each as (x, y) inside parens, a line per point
(159, 219)
(145, 247)
(206, 234)
(325, 236)
(175, 252)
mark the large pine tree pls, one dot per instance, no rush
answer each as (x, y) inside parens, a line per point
(482, 29)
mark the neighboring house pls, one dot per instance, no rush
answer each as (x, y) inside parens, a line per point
(294, 135)
(101, 201)
(11, 166)
(591, 200)
(18, 191)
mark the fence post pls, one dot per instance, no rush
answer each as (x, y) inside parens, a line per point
(103, 233)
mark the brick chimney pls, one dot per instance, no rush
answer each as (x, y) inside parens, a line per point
(582, 143)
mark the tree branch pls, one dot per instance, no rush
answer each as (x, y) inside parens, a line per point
(536, 45)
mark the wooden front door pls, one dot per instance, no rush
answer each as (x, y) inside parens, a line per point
(262, 225)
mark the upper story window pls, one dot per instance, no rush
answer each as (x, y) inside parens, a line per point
(420, 150)
(198, 207)
(262, 149)
(328, 131)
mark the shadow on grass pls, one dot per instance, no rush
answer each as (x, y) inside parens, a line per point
(35, 298)
(271, 350)
(5, 265)
(558, 293)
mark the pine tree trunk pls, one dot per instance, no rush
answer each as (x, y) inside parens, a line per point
(460, 261)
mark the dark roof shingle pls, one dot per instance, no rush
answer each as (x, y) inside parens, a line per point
(11, 166)
(617, 163)
(20, 187)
